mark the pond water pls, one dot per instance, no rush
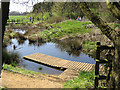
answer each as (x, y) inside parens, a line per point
(19, 31)
(49, 48)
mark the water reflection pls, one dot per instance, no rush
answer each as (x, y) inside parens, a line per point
(36, 43)
(20, 42)
(19, 31)
(71, 46)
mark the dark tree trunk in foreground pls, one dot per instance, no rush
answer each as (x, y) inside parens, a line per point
(5, 11)
(113, 35)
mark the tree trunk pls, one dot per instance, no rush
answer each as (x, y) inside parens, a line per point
(114, 81)
(5, 11)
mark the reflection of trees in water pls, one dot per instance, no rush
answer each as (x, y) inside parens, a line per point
(36, 43)
(20, 42)
(71, 46)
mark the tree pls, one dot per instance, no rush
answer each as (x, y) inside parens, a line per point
(112, 34)
(42, 8)
(4, 9)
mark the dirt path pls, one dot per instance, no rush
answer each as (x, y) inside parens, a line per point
(15, 80)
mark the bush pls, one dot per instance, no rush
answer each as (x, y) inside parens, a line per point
(40, 68)
(55, 19)
(10, 57)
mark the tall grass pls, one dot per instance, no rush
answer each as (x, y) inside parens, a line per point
(12, 58)
(84, 80)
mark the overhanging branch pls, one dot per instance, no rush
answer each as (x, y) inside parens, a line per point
(114, 8)
(108, 31)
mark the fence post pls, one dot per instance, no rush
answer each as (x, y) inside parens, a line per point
(12, 21)
(97, 64)
(17, 21)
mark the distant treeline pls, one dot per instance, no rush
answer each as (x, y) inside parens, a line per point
(70, 10)
(17, 13)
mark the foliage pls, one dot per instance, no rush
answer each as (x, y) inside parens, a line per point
(116, 25)
(12, 58)
(90, 45)
(84, 80)
(40, 68)
(57, 9)
(72, 9)
(3, 88)
(55, 19)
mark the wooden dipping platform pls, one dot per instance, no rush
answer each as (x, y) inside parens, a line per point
(58, 62)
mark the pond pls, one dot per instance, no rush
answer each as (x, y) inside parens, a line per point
(19, 31)
(49, 48)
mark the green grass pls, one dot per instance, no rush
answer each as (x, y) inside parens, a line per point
(24, 17)
(84, 80)
(19, 70)
(17, 16)
(90, 45)
(65, 28)
(3, 88)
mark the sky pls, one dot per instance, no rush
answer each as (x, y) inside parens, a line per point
(15, 5)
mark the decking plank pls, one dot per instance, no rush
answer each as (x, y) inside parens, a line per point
(58, 62)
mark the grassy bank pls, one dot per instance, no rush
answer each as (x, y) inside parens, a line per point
(17, 69)
(84, 80)
(49, 32)
(17, 17)
(65, 28)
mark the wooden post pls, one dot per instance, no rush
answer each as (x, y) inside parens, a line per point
(97, 64)
(12, 21)
(17, 21)
(96, 82)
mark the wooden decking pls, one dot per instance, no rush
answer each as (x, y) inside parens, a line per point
(58, 62)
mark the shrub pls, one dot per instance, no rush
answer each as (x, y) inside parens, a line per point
(55, 19)
(10, 57)
(40, 68)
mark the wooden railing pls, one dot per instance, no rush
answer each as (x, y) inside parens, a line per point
(21, 21)
(99, 61)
